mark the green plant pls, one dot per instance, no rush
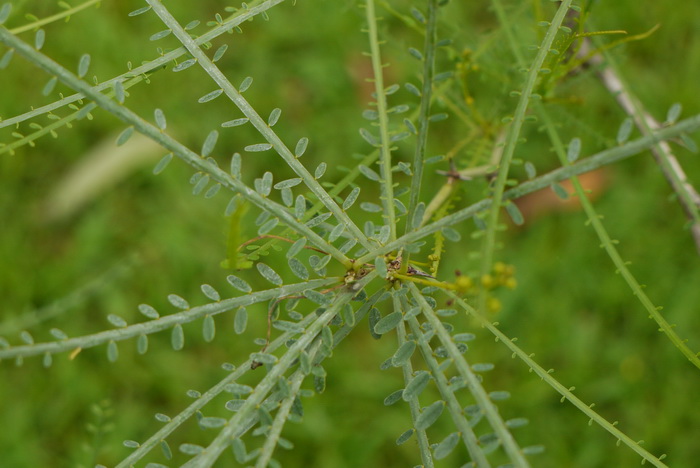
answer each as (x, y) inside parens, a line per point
(331, 264)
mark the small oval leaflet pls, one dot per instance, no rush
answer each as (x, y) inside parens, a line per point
(240, 321)
(445, 447)
(148, 311)
(287, 326)
(299, 207)
(184, 65)
(317, 297)
(574, 149)
(258, 147)
(269, 274)
(209, 143)
(178, 301)
(382, 271)
(367, 172)
(388, 323)
(83, 65)
(165, 448)
(301, 147)
(274, 116)
(201, 184)
(210, 96)
(177, 337)
(238, 283)
(530, 170)
(673, 113)
(560, 191)
(160, 119)
(451, 235)
(296, 247)
(245, 84)
(416, 385)
(131, 444)
(160, 35)
(464, 337)
(624, 131)
(49, 86)
(264, 358)
(26, 337)
(351, 198)
(58, 334)
(210, 292)
(235, 122)
(236, 165)
(191, 449)
(320, 170)
(393, 398)
(219, 53)
(517, 422)
(288, 183)
(208, 328)
(116, 320)
(47, 360)
(415, 53)
(298, 268)
(139, 11)
(213, 190)
(403, 354)
(499, 395)
(142, 344)
(482, 367)
(336, 232)
(112, 351)
(370, 207)
(403, 438)
(125, 135)
(211, 422)
(39, 39)
(429, 415)
(368, 137)
(514, 213)
(5, 60)
(533, 449)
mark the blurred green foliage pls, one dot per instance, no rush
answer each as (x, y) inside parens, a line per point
(570, 307)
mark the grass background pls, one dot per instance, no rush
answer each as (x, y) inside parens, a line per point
(151, 237)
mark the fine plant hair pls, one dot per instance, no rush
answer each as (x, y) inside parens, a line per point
(341, 252)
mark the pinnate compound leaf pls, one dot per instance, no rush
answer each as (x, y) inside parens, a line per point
(269, 274)
(429, 415)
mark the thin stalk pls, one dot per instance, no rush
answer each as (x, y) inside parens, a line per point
(584, 165)
(389, 212)
(413, 403)
(609, 245)
(424, 114)
(229, 24)
(477, 390)
(50, 19)
(556, 385)
(162, 323)
(261, 125)
(489, 241)
(184, 153)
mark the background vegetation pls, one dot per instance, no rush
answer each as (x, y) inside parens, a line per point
(140, 238)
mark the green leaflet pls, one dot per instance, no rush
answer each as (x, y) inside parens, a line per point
(234, 259)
